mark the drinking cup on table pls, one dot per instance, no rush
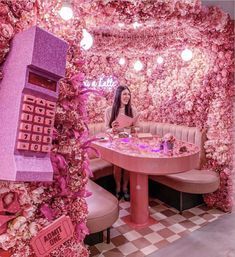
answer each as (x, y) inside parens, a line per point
(127, 130)
(134, 131)
(110, 137)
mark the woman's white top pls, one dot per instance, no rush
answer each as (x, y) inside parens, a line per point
(108, 112)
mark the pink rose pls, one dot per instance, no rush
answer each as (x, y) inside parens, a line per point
(221, 55)
(224, 81)
(224, 73)
(6, 30)
(4, 10)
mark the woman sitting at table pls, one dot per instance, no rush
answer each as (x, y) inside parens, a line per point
(121, 106)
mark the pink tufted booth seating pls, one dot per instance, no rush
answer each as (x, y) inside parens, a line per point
(103, 207)
(99, 167)
(103, 210)
(194, 181)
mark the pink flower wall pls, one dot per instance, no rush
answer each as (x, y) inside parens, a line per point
(39, 204)
(194, 93)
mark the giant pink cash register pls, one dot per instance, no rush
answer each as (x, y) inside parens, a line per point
(28, 94)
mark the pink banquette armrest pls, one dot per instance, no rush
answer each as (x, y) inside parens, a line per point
(103, 208)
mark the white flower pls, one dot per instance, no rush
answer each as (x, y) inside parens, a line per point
(3, 238)
(33, 228)
(28, 212)
(17, 222)
(189, 106)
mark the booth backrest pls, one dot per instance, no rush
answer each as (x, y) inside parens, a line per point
(95, 128)
(184, 133)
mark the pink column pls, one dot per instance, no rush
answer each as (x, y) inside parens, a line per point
(139, 198)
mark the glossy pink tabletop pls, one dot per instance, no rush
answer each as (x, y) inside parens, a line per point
(145, 156)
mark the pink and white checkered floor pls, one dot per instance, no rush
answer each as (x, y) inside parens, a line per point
(169, 226)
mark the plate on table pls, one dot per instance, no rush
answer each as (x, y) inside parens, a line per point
(123, 135)
(103, 139)
(145, 135)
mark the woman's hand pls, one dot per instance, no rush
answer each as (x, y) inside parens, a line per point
(115, 125)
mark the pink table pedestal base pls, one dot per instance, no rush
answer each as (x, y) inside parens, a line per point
(139, 202)
(128, 220)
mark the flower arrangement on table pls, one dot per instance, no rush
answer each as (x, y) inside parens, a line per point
(167, 142)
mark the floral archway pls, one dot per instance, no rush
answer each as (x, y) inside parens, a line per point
(194, 93)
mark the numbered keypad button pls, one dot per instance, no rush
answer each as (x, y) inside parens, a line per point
(41, 102)
(46, 148)
(25, 126)
(47, 131)
(36, 138)
(50, 113)
(40, 110)
(29, 99)
(47, 140)
(48, 121)
(38, 129)
(24, 136)
(50, 105)
(35, 147)
(22, 146)
(26, 117)
(28, 107)
(38, 119)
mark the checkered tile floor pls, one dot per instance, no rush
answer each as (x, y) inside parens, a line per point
(169, 227)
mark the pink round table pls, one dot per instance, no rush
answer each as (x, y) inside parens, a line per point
(143, 157)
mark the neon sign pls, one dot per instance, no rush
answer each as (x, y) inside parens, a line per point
(103, 82)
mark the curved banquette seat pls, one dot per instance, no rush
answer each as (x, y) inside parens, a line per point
(103, 209)
(193, 181)
(100, 168)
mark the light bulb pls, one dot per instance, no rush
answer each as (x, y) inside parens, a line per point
(136, 25)
(138, 65)
(121, 25)
(122, 61)
(186, 55)
(66, 12)
(87, 40)
(160, 60)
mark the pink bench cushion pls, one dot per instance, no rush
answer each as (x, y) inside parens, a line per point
(103, 208)
(192, 181)
(100, 168)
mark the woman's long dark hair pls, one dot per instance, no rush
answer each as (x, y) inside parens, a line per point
(117, 105)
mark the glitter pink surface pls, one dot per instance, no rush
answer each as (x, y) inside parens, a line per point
(41, 51)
